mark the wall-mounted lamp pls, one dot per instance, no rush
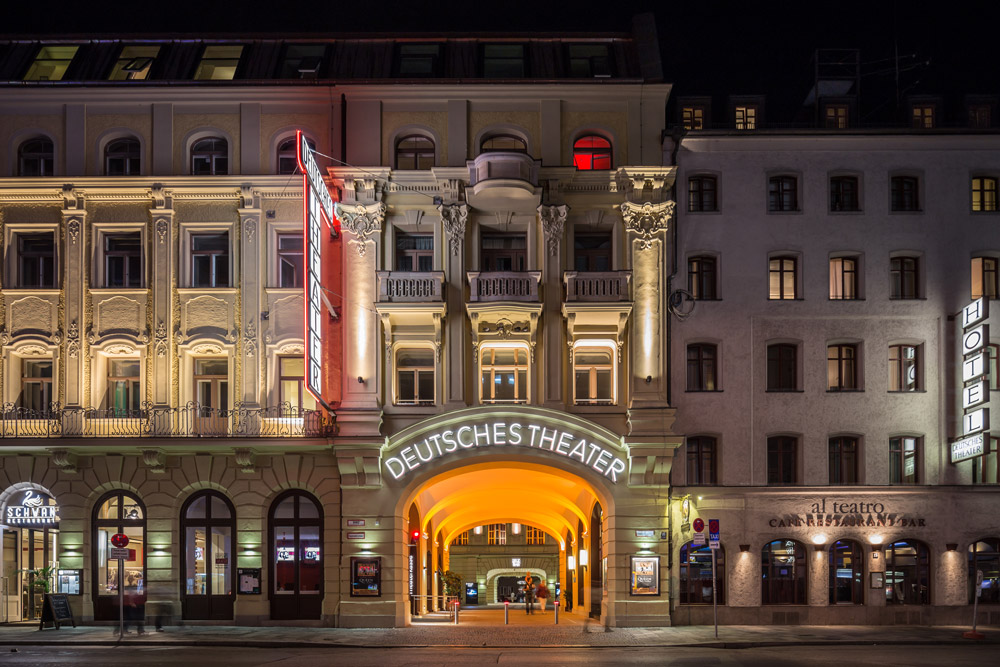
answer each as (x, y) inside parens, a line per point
(478, 530)
(819, 541)
(875, 539)
(649, 378)
(584, 558)
(952, 546)
(516, 528)
(570, 563)
(744, 548)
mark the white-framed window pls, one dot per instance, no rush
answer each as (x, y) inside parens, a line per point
(36, 384)
(414, 376)
(291, 262)
(36, 259)
(845, 278)
(905, 372)
(210, 259)
(503, 370)
(594, 372)
(496, 534)
(984, 194)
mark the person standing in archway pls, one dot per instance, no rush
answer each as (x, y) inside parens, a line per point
(529, 594)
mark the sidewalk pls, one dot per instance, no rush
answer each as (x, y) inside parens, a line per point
(486, 629)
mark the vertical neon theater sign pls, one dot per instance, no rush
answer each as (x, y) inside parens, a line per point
(317, 207)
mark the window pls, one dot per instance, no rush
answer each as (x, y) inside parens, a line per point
(210, 260)
(592, 152)
(594, 375)
(702, 278)
(414, 151)
(783, 573)
(836, 116)
(746, 118)
(843, 460)
(211, 391)
(123, 387)
(701, 467)
(288, 163)
(907, 573)
(35, 157)
(503, 252)
(843, 278)
(36, 385)
(503, 143)
(782, 367)
(208, 526)
(504, 373)
(904, 453)
(782, 278)
(589, 60)
(218, 62)
(122, 157)
(36, 265)
(291, 381)
(210, 157)
(295, 556)
(842, 367)
(696, 574)
(702, 362)
(904, 368)
(496, 534)
(291, 266)
(985, 555)
(415, 376)
(693, 118)
(782, 460)
(414, 252)
(592, 251)
(905, 193)
(123, 260)
(51, 63)
(413, 60)
(783, 194)
(503, 61)
(534, 536)
(461, 540)
(703, 194)
(984, 194)
(844, 193)
(923, 116)
(117, 512)
(847, 572)
(980, 116)
(904, 277)
(986, 468)
(301, 61)
(134, 63)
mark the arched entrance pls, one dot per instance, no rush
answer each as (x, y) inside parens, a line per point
(29, 529)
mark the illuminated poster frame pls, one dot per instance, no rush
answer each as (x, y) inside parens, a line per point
(645, 575)
(366, 577)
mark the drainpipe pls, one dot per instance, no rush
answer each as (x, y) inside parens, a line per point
(676, 136)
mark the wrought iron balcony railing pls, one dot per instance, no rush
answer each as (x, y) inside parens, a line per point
(504, 285)
(597, 286)
(424, 286)
(191, 420)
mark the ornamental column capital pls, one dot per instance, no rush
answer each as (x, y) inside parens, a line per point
(553, 223)
(454, 217)
(647, 220)
(361, 220)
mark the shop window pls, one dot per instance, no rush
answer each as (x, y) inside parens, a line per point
(782, 460)
(703, 194)
(904, 277)
(594, 374)
(291, 265)
(783, 573)
(418, 60)
(984, 556)
(506, 143)
(415, 376)
(905, 194)
(123, 260)
(36, 266)
(842, 367)
(122, 157)
(844, 194)
(782, 278)
(208, 557)
(210, 260)
(589, 60)
(905, 368)
(291, 380)
(836, 116)
(693, 118)
(534, 536)
(415, 151)
(218, 63)
(844, 278)
(847, 572)
(782, 194)
(36, 157)
(923, 116)
(907, 573)
(123, 399)
(985, 282)
(592, 251)
(503, 61)
(746, 118)
(210, 157)
(782, 367)
(592, 153)
(496, 534)
(702, 367)
(118, 512)
(211, 390)
(504, 374)
(134, 63)
(984, 194)
(295, 556)
(696, 574)
(287, 160)
(702, 278)
(904, 460)
(301, 61)
(701, 460)
(503, 252)
(51, 63)
(414, 252)
(36, 386)
(843, 460)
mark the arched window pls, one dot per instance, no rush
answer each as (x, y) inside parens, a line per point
(783, 573)
(35, 157)
(208, 524)
(122, 157)
(846, 573)
(507, 143)
(210, 157)
(592, 152)
(907, 573)
(295, 557)
(696, 574)
(288, 162)
(985, 555)
(414, 151)
(117, 512)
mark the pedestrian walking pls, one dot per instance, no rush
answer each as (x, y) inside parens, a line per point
(529, 595)
(542, 593)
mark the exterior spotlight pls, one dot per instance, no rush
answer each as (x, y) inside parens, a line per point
(952, 546)
(361, 380)
(745, 548)
(875, 539)
(649, 378)
(819, 541)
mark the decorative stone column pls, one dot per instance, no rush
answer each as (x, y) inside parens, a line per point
(553, 221)
(453, 219)
(74, 218)
(251, 274)
(161, 242)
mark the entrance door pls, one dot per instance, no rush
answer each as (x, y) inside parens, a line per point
(118, 512)
(295, 556)
(10, 578)
(211, 385)
(208, 523)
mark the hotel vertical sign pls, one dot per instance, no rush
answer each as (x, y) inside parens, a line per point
(974, 440)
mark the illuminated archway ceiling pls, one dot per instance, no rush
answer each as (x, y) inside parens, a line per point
(546, 498)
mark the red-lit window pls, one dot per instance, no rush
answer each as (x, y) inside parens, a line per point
(592, 153)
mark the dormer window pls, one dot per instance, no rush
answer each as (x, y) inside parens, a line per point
(693, 118)
(746, 117)
(219, 62)
(503, 61)
(589, 60)
(923, 116)
(302, 61)
(134, 63)
(51, 63)
(836, 116)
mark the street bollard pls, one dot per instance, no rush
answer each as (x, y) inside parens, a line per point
(557, 611)
(456, 612)
(506, 613)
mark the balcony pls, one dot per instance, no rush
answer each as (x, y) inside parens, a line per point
(410, 287)
(597, 286)
(504, 286)
(502, 181)
(192, 420)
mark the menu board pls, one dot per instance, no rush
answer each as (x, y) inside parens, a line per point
(366, 577)
(645, 575)
(249, 580)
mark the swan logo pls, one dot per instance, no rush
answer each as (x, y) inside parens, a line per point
(31, 500)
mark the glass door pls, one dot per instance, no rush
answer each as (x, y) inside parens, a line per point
(208, 522)
(118, 512)
(295, 530)
(211, 380)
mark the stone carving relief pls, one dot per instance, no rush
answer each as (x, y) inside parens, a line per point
(248, 197)
(647, 220)
(32, 314)
(292, 348)
(161, 229)
(64, 460)
(363, 221)
(553, 223)
(160, 337)
(73, 228)
(73, 340)
(207, 348)
(454, 217)
(205, 312)
(32, 351)
(159, 197)
(286, 318)
(250, 338)
(118, 313)
(250, 228)
(245, 459)
(155, 460)
(120, 349)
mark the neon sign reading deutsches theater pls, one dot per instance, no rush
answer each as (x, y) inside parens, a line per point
(502, 434)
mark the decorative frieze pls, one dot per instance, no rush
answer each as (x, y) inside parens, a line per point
(361, 220)
(454, 217)
(647, 220)
(553, 223)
